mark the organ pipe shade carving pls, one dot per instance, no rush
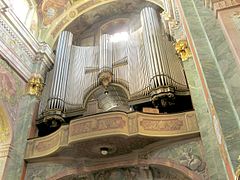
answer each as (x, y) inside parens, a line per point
(60, 71)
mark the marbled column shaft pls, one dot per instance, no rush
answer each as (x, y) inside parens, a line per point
(15, 164)
(220, 75)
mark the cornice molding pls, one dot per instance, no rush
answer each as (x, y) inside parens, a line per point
(19, 47)
(220, 5)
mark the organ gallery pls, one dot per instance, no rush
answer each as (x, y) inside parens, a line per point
(124, 90)
(118, 75)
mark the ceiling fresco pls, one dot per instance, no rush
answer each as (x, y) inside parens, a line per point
(55, 16)
(49, 10)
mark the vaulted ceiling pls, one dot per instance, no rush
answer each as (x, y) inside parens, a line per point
(78, 15)
(92, 19)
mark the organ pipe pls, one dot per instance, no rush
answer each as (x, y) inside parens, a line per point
(159, 67)
(166, 73)
(105, 61)
(60, 71)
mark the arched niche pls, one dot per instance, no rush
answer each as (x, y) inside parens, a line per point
(114, 98)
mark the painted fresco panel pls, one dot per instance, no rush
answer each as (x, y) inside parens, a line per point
(11, 90)
(12, 87)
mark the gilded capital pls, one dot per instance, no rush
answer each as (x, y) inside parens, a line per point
(35, 85)
(183, 50)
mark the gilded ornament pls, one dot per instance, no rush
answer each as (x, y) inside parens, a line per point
(35, 85)
(183, 50)
(105, 78)
(72, 14)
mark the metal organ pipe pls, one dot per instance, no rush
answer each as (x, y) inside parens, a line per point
(60, 71)
(159, 69)
(105, 62)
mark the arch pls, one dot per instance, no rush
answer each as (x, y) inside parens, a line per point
(62, 21)
(92, 90)
(165, 163)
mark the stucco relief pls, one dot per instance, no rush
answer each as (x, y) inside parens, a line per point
(165, 125)
(114, 123)
(192, 161)
(187, 154)
(99, 125)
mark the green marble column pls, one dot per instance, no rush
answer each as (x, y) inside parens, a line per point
(212, 156)
(15, 164)
(221, 74)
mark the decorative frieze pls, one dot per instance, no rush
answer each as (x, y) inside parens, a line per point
(19, 47)
(114, 124)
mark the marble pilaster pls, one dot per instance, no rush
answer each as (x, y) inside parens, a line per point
(219, 76)
(15, 163)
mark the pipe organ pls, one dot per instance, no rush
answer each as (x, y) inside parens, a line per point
(145, 65)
